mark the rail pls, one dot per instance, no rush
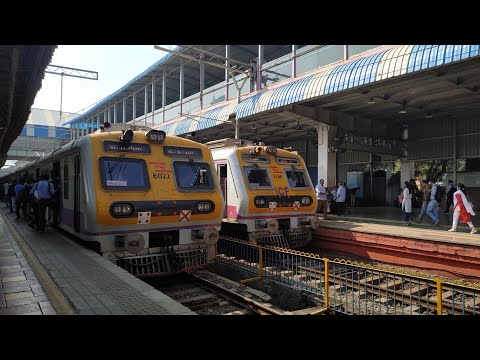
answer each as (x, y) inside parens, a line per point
(354, 287)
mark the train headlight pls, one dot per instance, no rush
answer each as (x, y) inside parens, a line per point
(204, 206)
(156, 136)
(260, 202)
(256, 150)
(271, 150)
(306, 200)
(120, 209)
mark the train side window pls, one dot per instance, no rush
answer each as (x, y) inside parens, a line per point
(193, 176)
(65, 181)
(121, 173)
(257, 177)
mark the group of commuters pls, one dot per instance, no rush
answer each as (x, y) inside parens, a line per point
(333, 200)
(432, 197)
(33, 198)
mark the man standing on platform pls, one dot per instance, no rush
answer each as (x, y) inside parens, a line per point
(341, 197)
(321, 191)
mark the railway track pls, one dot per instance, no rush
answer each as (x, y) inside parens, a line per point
(209, 296)
(365, 292)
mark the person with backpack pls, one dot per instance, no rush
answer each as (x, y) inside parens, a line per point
(450, 190)
(18, 199)
(45, 191)
(25, 199)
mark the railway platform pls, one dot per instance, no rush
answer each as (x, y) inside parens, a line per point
(50, 274)
(378, 234)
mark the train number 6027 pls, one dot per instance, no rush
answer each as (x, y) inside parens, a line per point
(161, 176)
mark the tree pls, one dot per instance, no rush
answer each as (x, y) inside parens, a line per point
(433, 169)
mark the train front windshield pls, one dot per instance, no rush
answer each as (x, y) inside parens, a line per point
(193, 176)
(124, 173)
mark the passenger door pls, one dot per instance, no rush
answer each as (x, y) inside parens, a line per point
(76, 194)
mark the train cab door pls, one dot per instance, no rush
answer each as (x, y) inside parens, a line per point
(76, 192)
(222, 178)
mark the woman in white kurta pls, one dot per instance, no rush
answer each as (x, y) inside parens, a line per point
(407, 203)
(462, 209)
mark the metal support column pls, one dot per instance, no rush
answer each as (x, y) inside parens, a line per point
(182, 88)
(345, 52)
(114, 109)
(202, 81)
(98, 121)
(145, 108)
(164, 94)
(259, 67)
(227, 72)
(124, 111)
(93, 126)
(153, 100)
(105, 118)
(134, 105)
(294, 61)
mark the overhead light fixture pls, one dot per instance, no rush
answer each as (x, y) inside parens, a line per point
(253, 128)
(371, 101)
(402, 110)
(428, 115)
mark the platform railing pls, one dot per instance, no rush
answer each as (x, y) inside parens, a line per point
(354, 287)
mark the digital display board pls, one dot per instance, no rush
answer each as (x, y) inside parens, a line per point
(182, 151)
(126, 147)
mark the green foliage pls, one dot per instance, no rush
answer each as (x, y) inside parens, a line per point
(431, 169)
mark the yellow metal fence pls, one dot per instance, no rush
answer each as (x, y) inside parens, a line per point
(353, 287)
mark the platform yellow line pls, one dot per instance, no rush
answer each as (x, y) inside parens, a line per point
(58, 300)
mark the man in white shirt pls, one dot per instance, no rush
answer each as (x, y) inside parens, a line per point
(321, 191)
(341, 197)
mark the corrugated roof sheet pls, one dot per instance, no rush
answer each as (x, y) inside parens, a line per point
(387, 64)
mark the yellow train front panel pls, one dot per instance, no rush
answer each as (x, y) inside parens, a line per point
(154, 186)
(277, 184)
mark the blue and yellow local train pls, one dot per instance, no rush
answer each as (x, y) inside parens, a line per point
(151, 202)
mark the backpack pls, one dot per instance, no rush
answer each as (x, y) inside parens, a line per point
(25, 194)
(440, 194)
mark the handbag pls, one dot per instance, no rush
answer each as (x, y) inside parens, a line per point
(400, 199)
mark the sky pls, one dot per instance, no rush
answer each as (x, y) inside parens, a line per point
(116, 66)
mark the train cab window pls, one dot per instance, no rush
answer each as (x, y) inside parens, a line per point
(257, 177)
(121, 173)
(193, 176)
(296, 179)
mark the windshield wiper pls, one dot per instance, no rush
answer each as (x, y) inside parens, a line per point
(110, 169)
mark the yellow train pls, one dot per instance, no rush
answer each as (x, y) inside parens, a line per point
(150, 201)
(269, 196)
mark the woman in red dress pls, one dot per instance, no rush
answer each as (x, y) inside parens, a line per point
(462, 209)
